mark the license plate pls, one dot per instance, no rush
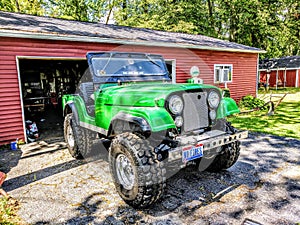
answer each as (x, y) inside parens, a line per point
(192, 152)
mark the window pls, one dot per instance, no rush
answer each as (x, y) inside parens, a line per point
(171, 66)
(223, 73)
(128, 66)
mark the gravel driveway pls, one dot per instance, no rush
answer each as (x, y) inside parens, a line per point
(53, 188)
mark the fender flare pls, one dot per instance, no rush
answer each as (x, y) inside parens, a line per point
(70, 106)
(140, 121)
(227, 107)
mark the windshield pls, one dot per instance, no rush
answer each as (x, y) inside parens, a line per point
(133, 66)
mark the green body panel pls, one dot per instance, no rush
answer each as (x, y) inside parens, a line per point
(146, 95)
(80, 106)
(227, 107)
(65, 99)
(158, 118)
(145, 100)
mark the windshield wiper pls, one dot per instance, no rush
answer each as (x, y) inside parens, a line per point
(152, 61)
(104, 67)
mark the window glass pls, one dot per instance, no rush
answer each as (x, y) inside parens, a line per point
(128, 67)
(223, 73)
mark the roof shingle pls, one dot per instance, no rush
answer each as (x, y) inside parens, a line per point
(15, 23)
(284, 62)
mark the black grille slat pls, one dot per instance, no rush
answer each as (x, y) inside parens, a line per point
(195, 113)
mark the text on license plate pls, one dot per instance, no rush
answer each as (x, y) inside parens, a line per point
(192, 152)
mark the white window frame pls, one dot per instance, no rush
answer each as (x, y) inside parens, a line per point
(222, 73)
(173, 63)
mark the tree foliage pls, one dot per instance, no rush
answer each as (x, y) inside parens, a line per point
(273, 25)
(33, 7)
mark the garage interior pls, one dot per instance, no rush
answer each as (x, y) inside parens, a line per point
(44, 82)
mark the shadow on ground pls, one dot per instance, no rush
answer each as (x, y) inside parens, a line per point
(257, 182)
(9, 159)
(186, 192)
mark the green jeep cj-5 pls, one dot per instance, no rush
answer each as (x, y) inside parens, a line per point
(152, 126)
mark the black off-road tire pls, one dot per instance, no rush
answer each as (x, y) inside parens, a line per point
(229, 153)
(225, 156)
(149, 173)
(82, 140)
(228, 156)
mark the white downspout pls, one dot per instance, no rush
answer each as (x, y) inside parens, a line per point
(297, 78)
(284, 82)
(277, 79)
(257, 75)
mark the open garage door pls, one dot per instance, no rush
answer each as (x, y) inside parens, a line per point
(44, 81)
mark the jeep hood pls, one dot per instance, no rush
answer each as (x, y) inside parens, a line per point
(144, 95)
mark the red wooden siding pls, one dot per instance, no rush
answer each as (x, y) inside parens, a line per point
(11, 124)
(244, 66)
(290, 78)
(298, 78)
(244, 72)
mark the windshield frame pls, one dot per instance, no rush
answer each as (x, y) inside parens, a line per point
(101, 75)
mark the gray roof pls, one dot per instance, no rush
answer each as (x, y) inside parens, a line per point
(284, 62)
(28, 26)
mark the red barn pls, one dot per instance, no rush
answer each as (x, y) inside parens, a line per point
(42, 58)
(282, 72)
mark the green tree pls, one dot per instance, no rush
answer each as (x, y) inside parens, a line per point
(272, 25)
(154, 14)
(33, 7)
(81, 10)
(69, 9)
(9, 5)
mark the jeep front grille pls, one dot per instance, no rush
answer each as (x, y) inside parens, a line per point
(195, 113)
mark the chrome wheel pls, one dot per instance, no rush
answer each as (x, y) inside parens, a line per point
(125, 171)
(70, 136)
(138, 176)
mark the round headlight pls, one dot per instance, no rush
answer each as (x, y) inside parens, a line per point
(212, 114)
(175, 104)
(213, 99)
(178, 121)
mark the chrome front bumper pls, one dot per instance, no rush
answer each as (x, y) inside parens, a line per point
(210, 140)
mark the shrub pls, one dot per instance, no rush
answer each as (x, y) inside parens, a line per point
(249, 102)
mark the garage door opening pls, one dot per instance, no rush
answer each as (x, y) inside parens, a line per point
(44, 82)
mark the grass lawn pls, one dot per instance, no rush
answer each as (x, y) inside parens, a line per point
(285, 121)
(280, 90)
(8, 210)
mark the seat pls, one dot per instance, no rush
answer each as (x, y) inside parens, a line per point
(86, 91)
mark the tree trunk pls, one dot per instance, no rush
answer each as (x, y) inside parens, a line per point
(124, 8)
(17, 6)
(109, 12)
(212, 27)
